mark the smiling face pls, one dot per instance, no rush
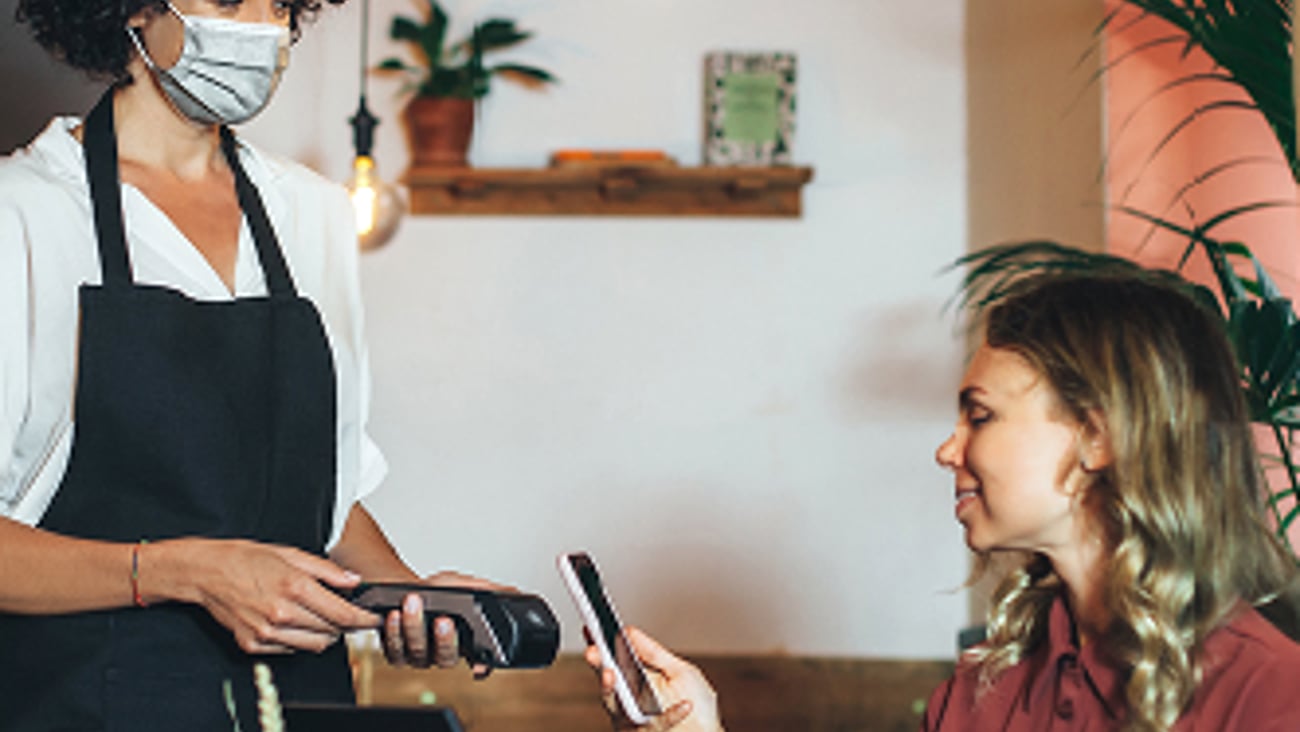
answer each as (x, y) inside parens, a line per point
(1016, 457)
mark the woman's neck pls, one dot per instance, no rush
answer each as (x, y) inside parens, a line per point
(152, 134)
(1082, 570)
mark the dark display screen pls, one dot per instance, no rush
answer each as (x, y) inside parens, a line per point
(614, 638)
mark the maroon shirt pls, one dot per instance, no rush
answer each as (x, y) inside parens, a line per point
(1251, 683)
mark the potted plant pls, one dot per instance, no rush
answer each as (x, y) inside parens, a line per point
(448, 78)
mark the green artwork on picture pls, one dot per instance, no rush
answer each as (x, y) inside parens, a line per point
(749, 103)
(751, 108)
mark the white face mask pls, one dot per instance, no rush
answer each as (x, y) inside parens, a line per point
(227, 69)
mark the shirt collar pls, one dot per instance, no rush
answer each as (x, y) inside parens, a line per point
(1106, 678)
(60, 151)
(64, 155)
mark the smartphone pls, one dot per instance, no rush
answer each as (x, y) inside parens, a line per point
(631, 684)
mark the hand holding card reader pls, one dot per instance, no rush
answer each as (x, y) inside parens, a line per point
(497, 629)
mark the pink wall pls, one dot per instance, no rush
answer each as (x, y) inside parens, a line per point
(1137, 118)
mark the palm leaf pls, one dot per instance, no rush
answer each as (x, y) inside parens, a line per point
(1164, 89)
(1233, 287)
(1191, 117)
(993, 273)
(1288, 519)
(1214, 171)
(1251, 42)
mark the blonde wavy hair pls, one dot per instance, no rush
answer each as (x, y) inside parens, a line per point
(1180, 506)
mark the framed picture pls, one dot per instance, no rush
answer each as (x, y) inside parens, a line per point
(749, 103)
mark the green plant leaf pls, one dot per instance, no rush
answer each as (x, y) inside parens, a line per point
(1180, 195)
(1290, 421)
(456, 69)
(498, 33)
(426, 37)
(1233, 286)
(530, 72)
(1264, 350)
(993, 272)
(448, 82)
(1165, 88)
(1192, 117)
(405, 29)
(1287, 520)
(1290, 402)
(1281, 356)
(1251, 41)
(1234, 212)
(1281, 495)
(433, 34)
(1238, 250)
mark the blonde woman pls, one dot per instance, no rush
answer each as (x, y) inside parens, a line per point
(1103, 437)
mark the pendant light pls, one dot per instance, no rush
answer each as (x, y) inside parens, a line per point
(378, 206)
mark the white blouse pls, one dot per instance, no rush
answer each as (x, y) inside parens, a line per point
(48, 249)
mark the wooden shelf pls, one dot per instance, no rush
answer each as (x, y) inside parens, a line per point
(581, 190)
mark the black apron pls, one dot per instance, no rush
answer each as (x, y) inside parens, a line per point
(212, 419)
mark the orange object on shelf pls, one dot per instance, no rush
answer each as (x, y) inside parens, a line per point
(575, 156)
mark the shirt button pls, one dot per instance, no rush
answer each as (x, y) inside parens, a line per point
(1065, 710)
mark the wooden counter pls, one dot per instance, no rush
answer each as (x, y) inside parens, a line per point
(758, 694)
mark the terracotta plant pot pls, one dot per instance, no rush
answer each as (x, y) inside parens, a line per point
(439, 130)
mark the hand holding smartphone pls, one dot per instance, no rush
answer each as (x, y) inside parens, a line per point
(631, 684)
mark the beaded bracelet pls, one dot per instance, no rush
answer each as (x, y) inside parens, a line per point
(135, 574)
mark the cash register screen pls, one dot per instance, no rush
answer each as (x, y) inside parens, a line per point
(332, 718)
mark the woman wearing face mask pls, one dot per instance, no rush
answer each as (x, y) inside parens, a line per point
(1102, 439)
(183, 390)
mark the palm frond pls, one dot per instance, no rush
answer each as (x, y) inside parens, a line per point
(1251, 42)
(1196, 114)
(993, 273)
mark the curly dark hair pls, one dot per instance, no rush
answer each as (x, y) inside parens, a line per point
(90, 35)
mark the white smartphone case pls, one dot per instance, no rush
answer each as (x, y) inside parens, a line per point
(622, 689)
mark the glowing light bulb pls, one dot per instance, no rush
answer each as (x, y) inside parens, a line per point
(363, 194)
(377, 205)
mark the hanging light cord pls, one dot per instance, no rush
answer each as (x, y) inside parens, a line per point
(365, 43)
(363, 122)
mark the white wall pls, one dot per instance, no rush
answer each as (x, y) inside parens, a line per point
(736, 417)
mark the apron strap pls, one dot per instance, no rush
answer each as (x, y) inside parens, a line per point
(100, 143)
(278, 280)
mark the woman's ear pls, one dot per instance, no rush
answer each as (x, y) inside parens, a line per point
(1095, 452)
(142, 16)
